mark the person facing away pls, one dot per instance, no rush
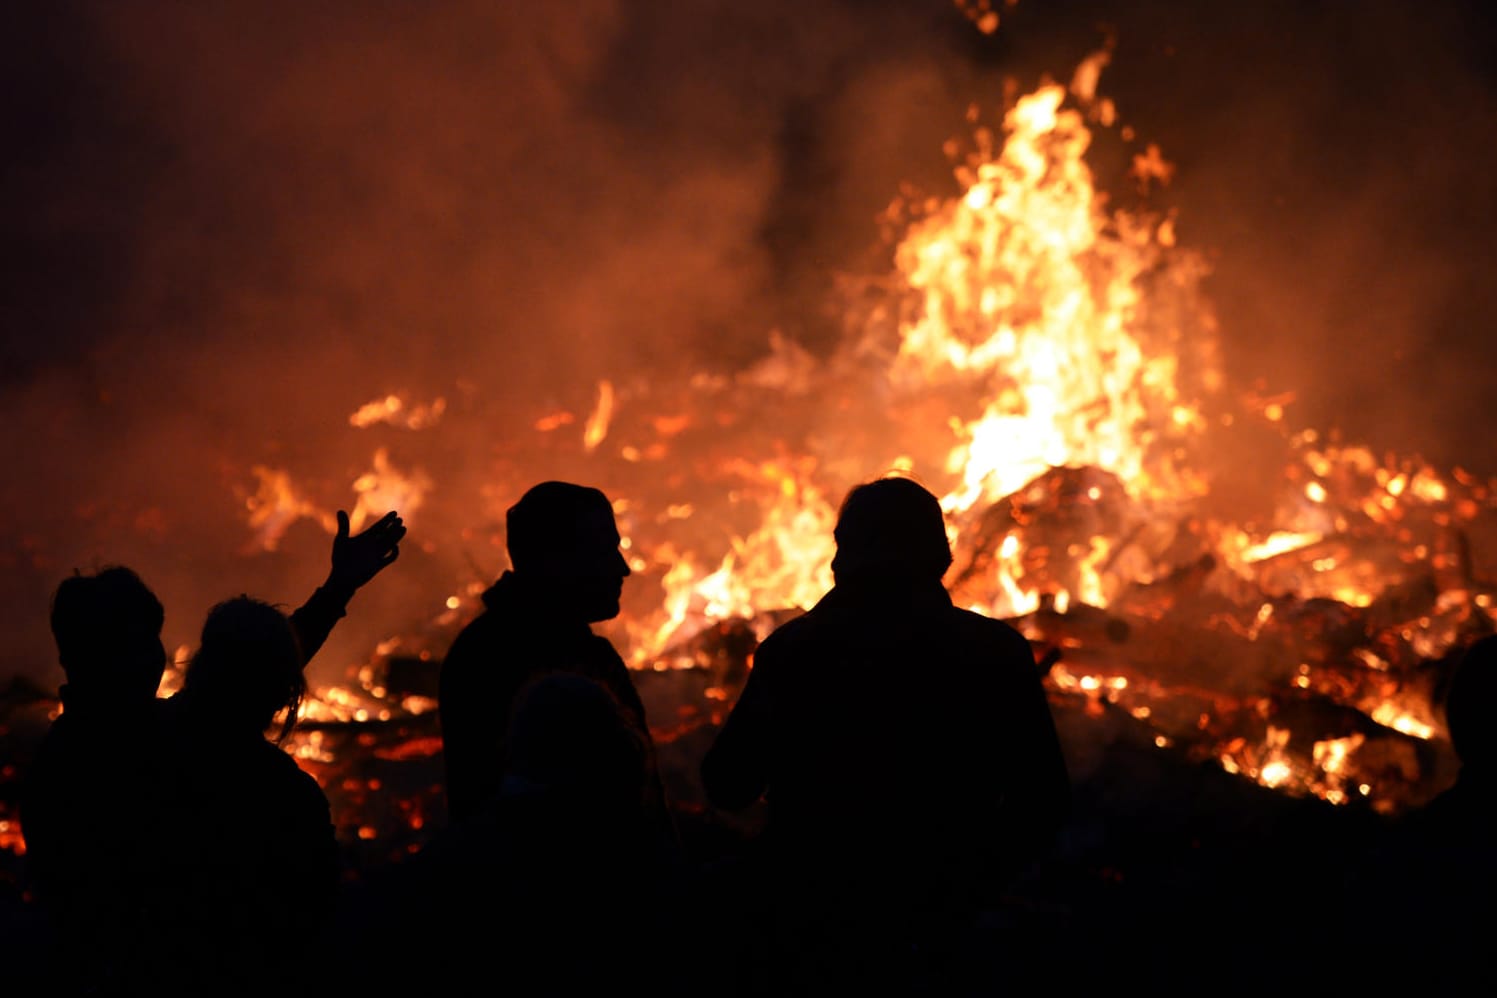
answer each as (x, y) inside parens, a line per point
(85, 854)
(246, 872)
(905, 748)
(558, 881)
(566, 573)
(90, 849)
(246, 875)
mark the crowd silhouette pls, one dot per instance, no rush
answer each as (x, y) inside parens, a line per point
(229, 854)
(902, 750)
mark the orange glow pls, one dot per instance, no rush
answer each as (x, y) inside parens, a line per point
(1041, 359)
(597, 423)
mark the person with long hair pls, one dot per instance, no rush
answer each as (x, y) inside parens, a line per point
(88, 811)
(246, 867)
(246, 874)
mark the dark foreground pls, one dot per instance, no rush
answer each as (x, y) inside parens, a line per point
(1172, 874)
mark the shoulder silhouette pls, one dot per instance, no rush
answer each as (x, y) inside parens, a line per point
(1436, 878)
(566, 573)
(247, 871)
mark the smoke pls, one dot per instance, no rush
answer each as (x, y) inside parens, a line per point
(235, 223)
(241, 222)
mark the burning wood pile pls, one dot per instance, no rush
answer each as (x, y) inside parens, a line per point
(1218, 658)
(1198, 580)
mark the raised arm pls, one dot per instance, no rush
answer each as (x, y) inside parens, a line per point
(355, 560)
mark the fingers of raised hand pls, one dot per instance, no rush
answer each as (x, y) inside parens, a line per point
(388, 529)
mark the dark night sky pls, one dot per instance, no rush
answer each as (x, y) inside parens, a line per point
(210, 207)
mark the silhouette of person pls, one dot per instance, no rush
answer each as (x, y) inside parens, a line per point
(85, 854)
(561, 878)
(1434, 883)
(86, 809)
(566, 573)
(246, 874)
(907, 755)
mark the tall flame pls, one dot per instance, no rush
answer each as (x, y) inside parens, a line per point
(1025, 283)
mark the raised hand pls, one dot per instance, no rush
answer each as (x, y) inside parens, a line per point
(360, 558)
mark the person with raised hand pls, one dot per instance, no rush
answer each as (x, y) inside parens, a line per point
(86, 805)
(246, 872)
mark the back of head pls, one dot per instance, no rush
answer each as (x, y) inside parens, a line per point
(108, 632)
(569, 734)
(891, 529)
(248, 666)
(543, 526)
(1469, 706)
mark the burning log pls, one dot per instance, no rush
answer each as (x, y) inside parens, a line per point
(1060, 516)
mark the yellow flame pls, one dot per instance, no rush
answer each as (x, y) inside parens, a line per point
(384, 488)
(396, 411)
(276, 504)
(1017, 290)
(597, 423)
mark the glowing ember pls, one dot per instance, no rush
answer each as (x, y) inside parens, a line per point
(394, 410)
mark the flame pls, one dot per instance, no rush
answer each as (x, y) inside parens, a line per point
(597, 423)
(1019, 288)
(1060, 342)
(396, 411)
(384, 487)
(784, 563)
(275, 504)
(1071, 366)
(11, 838)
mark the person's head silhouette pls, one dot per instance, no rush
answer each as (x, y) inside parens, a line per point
(564, 545)
(248, 667)
(108, 632)
(890, 530)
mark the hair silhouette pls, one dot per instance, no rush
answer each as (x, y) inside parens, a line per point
(248, 666)
(543, 523)
(108, 632)
(891, 527)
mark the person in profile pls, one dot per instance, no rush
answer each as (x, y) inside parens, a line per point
(87, 801)
(566, 573)
(909, 762)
